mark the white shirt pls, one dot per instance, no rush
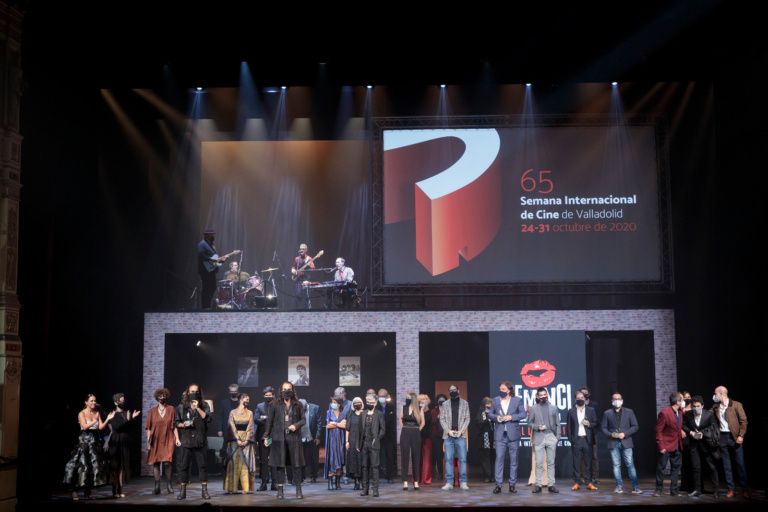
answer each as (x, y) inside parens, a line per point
(505, 405)
(580, 413)
(697, 419)
(723, 422)
(344, 274)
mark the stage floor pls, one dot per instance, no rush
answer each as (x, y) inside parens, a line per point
(139, 494)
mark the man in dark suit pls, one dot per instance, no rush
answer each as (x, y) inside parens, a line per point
(702, 431)
(619, 425)
(669, 443)
(389, 442)
(310, 439)
(260, 417)
(595, 459)
(506, 413)
(368, 443)
(580, 425)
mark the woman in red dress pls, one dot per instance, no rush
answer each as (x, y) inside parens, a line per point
(162, 438)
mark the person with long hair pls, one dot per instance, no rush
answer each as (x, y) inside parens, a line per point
(354, 424)
(86, 467)
(282, 432)
(335, 436)
(119, 443)
(485, 429)
(426, 440)
(162, 438)
(192, 419)
(410, 440)
(241, 455)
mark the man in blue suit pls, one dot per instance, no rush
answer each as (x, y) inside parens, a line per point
(619, 424)
(506, 413)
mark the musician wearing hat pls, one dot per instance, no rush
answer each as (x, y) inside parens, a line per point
(208, 262)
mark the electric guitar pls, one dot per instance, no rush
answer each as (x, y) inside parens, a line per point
(304, 266)
(215, 262)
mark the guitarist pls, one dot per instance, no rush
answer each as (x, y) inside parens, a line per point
(300, 263)
(207, 258)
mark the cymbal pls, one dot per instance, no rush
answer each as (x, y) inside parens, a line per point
(270, 269)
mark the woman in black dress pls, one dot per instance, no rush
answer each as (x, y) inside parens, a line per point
(119, 450)
(354, 423)
(282, 433)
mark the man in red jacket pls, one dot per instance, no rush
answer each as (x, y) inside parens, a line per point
(669, 442)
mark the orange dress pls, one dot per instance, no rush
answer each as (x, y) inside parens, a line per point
(161, 438)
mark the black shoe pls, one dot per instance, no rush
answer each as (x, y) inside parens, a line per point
(656, 493)
(205, 494)
(156, 490)
(497, 490)
(183, 494)
(512, 489)
(536, 489)
(553, 489)
(337, 482)
(357, 484)
(364, 492)
(169, 487)
(262, 487)
(273, 487)
(313, 481)
(694, 494)
(280, 494)
(375, 492)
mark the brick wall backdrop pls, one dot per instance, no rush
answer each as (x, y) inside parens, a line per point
(407, 325)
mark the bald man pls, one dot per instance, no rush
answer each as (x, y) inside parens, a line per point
(733, 427)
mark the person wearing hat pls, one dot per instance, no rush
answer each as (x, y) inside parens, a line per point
(206, 253)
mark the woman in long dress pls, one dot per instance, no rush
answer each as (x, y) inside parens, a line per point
(240, 473)
(162, 438)
(86, 467)
(354, 424)
(335, 440)
(119, 450)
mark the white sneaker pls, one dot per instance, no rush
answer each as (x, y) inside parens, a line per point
(637, 490)
(447, 487)
(618, 490)
(464, 486)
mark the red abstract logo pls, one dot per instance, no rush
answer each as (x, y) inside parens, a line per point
(449, 182)
(537, 374)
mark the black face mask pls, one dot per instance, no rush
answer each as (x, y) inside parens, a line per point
(268, 399)
(440, 402)
(161, 399)
(358, 407)
(541, 400)
(580, 402)
(686, 403)
(233, 396)
(195, 395)
(120, 405)
(287, 394)
(454, 394)
(503, 394)
(407, 401)
(370, 406)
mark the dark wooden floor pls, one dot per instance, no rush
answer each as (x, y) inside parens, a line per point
(139, 495)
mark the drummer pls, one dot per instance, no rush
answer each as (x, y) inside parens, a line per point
(235, 274)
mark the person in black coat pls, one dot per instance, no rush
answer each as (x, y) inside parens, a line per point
(580, 426)
(597, 432)
(388, 459)
(368, 442)
(192, 419)
(260, 417)
(702, 431)
(283, 434)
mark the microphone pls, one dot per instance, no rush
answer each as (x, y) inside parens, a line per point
(274, 255)
(194, 291)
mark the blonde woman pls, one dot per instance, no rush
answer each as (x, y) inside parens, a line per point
(410, 440)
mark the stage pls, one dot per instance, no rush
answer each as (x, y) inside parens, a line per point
(139, 494)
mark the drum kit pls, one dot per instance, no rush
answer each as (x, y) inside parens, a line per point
(241, 290)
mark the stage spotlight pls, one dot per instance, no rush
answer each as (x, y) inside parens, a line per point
(199, 89)
(283, 87)
(442, 86)
(199, 342)
(614, 84)
(528, 84)
(369, 87)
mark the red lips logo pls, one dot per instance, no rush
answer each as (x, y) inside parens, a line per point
(538, 373)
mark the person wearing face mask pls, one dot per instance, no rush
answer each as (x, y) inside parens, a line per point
(425, 474)
(669, 443)
(119, 444)
(388, 455)
(260, 417)
(485, 430)
(454, 418)
(436, 435)
(410, 440)
(733, 427)
(506, 412)
(544, 419)
(335, 439)
(162, 438)
(703, 435)
(580, 425)
(354, 424)
(229, 404)
(283, 432)
(368, 443)
(240, 470)
(589, 401)
(310, 439)
(619, 424)
(686, 471)
(193, 415)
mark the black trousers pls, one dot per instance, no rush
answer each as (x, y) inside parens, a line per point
(296, 471)
(208, 289)
(265, 471)
(487, 462)
(311, 456)
(410, 451)
(438, 457)
(697, 452)
(369, 459)
(675, 460)
(387, 463)
(185, 459)
(581, 451)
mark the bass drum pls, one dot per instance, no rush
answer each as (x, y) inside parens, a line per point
(224, 292)
(254, 298)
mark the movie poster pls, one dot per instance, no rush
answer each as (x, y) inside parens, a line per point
(248, 372)
(349, 371)
(298, 370)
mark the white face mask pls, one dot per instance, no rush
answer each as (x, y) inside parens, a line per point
(681, 404)
(698, 410)
(617, 403)
(716, 399)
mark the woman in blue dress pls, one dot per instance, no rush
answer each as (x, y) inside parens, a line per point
(335, 437)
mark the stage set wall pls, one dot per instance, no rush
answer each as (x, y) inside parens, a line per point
(407, 327)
